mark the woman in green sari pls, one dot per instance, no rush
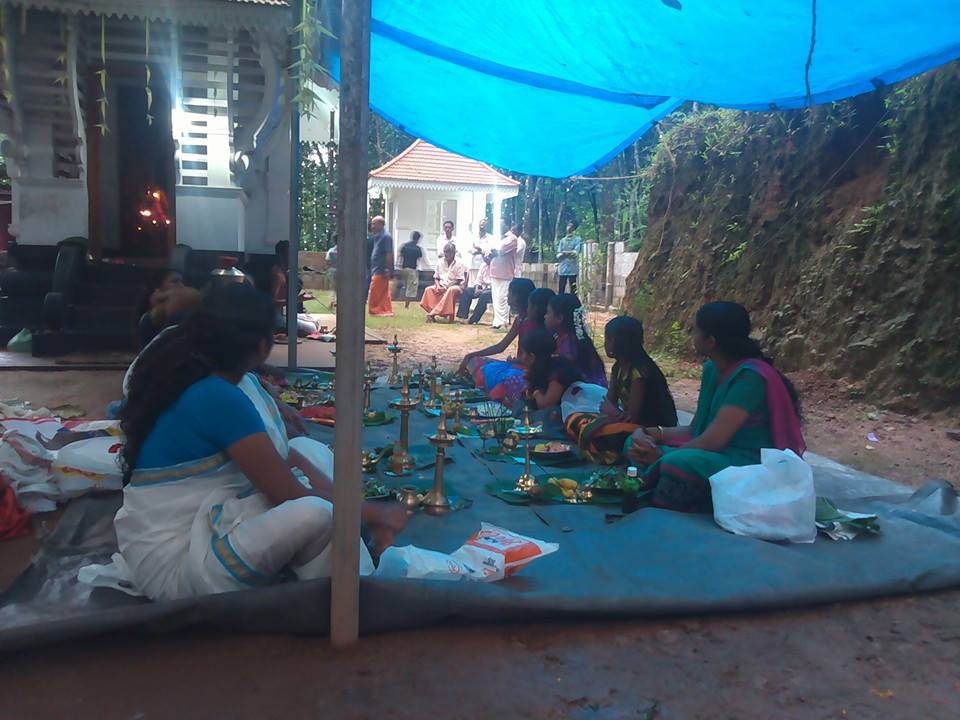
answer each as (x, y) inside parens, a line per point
(745, 404)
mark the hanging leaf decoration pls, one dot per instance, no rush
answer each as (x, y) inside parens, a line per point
(146, 57)
(102, 74)
(305, 67)
(61, 79)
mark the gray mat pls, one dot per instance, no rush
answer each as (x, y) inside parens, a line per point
(652, 562)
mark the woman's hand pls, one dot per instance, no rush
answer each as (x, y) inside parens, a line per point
(462, 370)
(643, 449)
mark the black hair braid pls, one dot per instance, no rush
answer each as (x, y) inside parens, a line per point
(588, 360)
(167, 367)
(219, 336)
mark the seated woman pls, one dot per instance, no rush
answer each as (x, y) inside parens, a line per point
(440, 300)
(165, 305)
(566, 319)
(548, 376)
(745, 404)
(216, 498)
(638, 396)
(503, 380)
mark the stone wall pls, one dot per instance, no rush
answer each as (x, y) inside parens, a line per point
(596, 271)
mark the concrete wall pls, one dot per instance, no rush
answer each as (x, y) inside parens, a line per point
(593, 277)
(320, 279)
(48, 210)
(267, 213)
(210, 218)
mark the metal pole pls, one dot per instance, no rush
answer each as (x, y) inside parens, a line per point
(351, 268)
(293, 260)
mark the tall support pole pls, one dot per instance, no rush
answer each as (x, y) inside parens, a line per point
(351, 267)
(293, 259)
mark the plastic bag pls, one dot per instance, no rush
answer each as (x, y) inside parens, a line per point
(22, 342)
(88, 465)
(582, 397)
(774, 500)
(489, 555)
(420, 564)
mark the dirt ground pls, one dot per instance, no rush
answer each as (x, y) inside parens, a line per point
(892, 658)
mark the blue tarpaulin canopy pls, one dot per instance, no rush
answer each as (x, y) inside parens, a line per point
(558, 87)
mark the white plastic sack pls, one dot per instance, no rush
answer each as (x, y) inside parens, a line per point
(774, 500)
(88, 465)
(420, 564)
(582, 397)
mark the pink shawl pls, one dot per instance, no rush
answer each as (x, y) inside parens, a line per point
(784, 421)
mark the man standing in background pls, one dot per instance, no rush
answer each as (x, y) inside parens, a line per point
(568, 258)
(521, 249)
(381, 268)
(503, 265)
(481, 246)
(444, 239)
(410, 256)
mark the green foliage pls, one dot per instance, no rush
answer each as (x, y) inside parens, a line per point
(643, 300)
(734, 255)
(317, 222)
(870, 217)
(677, 341)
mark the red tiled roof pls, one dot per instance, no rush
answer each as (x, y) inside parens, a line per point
(427, 164)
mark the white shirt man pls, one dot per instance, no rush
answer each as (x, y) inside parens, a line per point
(521, 255)
(447, 236)
(502, 271)
(482, 245)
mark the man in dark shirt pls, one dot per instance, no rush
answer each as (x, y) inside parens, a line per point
(381, 269)
(410, 256)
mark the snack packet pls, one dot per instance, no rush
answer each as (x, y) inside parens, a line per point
(497, 553)
(489, 555)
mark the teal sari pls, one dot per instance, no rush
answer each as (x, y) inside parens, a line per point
(682, 475)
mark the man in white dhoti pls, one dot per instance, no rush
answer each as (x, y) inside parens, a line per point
(503, 260)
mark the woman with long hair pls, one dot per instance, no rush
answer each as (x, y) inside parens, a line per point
(638, 396)
(566, 319)
(745, 405)
(216, 498)
(503, 379)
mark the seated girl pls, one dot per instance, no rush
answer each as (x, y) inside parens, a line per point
(547, 375)
(503, 380)
(638, 396)
(216, 497)
(745, 404)
(566, 319)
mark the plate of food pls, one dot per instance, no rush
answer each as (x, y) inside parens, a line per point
(491, 410)
(613, 481)
(373, 490)
(552, 449)
(377, 417)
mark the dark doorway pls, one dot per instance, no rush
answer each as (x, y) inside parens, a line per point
(132, 177)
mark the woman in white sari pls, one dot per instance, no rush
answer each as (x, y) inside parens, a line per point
(216, 498)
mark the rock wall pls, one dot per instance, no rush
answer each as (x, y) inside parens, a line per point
(838, 229)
